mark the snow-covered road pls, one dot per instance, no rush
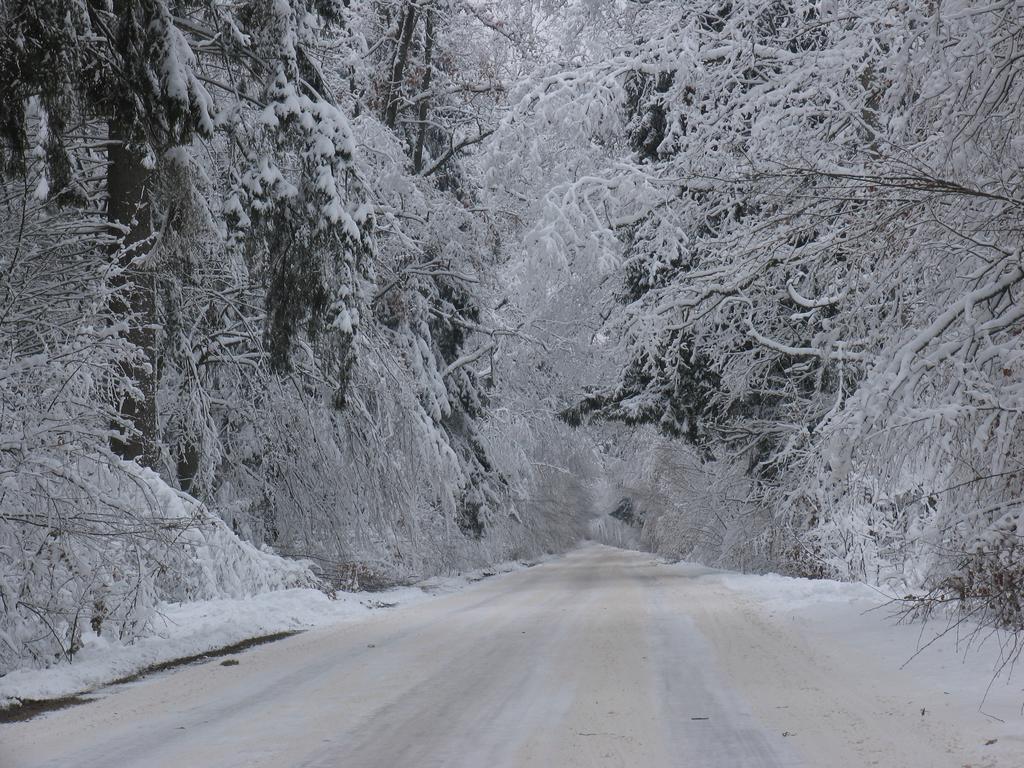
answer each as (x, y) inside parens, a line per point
(601, 658)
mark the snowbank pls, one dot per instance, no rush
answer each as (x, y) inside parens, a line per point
(952, 669)
(785, 592)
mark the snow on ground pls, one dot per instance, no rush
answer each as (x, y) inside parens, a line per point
(944, 670)
(183, 630)
(602, 658)
(787, 671)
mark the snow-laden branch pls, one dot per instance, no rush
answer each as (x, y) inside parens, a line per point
(824, 301)
(468, 359)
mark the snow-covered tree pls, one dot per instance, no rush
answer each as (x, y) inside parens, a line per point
(245, 245)
(815, 211)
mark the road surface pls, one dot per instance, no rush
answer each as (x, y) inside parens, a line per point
(600, 658)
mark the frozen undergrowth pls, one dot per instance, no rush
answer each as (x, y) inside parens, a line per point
(114, 543)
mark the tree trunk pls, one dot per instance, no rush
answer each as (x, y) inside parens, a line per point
(428, 50)
(128, 207)
(398, 68)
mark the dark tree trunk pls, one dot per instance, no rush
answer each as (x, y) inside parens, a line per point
(398, 68)
(428, 51)
(128, 207)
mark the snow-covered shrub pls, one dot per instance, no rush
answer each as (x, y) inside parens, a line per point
(98, 545)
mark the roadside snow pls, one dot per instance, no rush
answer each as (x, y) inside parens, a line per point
(785, 592)
(939, 670)
(182, 630)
